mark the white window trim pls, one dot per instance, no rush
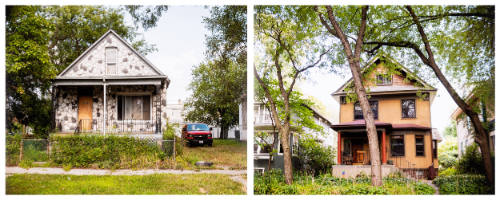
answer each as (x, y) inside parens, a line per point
(135, 94)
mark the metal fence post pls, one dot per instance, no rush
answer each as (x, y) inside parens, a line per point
(174, 148)
(21, 151)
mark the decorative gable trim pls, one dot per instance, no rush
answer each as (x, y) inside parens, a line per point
(373, 60)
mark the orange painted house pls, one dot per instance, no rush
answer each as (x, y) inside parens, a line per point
(401, 105)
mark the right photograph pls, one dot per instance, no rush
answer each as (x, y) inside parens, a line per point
(364, 100)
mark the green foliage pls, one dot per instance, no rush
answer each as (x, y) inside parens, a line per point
(314, 157)
(463, 184)
(26, 163)
(219, 82)
(450, 171)
(272, 182)
(451, 130)
(448, 153)
(35, 150)
(169, 134)
(104, 152)
(471, 162)
(147, 16)
(13, 146)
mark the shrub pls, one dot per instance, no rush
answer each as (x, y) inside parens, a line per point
(463, 184)
(169, 134)
(363, 189)
(448, 172)
(471, 162)
(13, 145)
(104, 151)
(314, 157)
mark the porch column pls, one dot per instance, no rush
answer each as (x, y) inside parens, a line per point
(104, 116)
(384, 154)
(339, 149)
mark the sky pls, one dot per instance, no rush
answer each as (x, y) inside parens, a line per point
(180, 39)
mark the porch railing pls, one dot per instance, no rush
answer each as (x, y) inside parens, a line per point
(112, 126)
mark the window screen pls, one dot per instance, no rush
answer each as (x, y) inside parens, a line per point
(384, 79)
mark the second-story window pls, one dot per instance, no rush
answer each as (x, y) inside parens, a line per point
(358, 113)
(384, 79)
(111, 58)
(408, 108)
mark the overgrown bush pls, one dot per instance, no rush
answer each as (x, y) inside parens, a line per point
(13, 145)
(448, 153)
(463, 184)
(315, 158)
(471, 162)
(169, 134)
(448, 172)
(104, 152)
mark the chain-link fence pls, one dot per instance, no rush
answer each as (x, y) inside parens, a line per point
(36, 150)
(168, 147)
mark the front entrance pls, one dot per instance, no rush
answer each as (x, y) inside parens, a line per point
(358, 151)
(85, 113)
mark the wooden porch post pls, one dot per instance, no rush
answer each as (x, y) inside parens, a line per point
(339, 148)
(384, 154)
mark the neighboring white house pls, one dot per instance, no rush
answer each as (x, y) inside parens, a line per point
(175, 112)
(264, 123)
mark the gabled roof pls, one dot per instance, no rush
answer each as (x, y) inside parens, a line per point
(159, 73)
(426, 87)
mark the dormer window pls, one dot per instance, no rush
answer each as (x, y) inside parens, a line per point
(111, 58)
(384, 79)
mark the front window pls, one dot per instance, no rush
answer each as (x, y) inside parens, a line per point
(397, 145)
(358, 112)
(134, 107)
(198, 127)
(408, 108)
(419, 145)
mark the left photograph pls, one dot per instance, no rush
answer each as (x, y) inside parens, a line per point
(126, 99)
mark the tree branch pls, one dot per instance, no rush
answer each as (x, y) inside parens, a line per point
(267, 93)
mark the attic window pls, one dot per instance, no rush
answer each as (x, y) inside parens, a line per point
(384, 79)
(111, 58)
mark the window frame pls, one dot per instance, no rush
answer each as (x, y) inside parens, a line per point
(414, 108)
(383, 80)
(398, 154)
(375, 112)
(417, 145)
(134, 95)
(434, 148)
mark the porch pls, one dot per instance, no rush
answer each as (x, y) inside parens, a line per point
(110, 106)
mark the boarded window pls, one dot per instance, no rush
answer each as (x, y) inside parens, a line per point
(384, 79)
(408, 108)
(358, 113)
(419, 145)
(111, 58)
(134, 108)
(397, 145)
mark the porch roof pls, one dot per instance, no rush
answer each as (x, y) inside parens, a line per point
(356, 124)
(111, 80)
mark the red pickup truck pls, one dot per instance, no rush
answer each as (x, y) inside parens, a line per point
(197, 133)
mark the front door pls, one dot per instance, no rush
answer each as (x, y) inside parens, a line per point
(85, 112)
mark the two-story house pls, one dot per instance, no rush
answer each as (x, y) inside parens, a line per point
(263, 123)
(401, 104)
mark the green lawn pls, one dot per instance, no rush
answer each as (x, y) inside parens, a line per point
(230, 154)
(146, 184)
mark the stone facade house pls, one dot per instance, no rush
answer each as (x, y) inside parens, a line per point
(401, 104)
(110, 88)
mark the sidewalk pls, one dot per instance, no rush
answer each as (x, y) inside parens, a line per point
(42, 170)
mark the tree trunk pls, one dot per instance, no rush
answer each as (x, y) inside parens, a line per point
(287, 154)
(223, 131)
(481, 136)
(354, 65)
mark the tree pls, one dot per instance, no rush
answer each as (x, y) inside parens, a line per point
(463, 54)
(451, 130)
(289, 47)
(41, 42)
(354, 59)
(219, 83)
